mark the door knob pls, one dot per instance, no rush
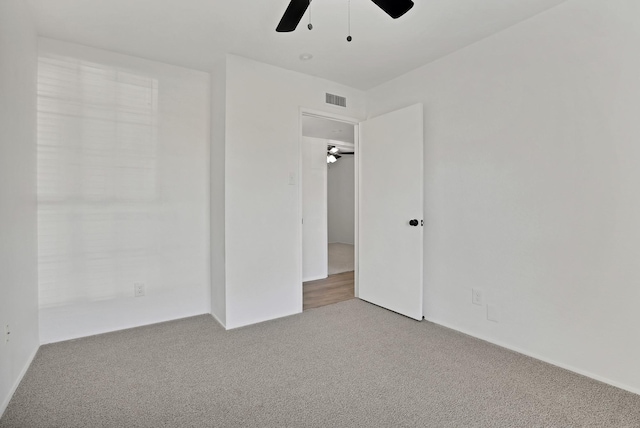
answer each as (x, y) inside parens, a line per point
(413, 222)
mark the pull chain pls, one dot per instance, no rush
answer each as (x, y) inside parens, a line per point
(349, 38)
(310, 27)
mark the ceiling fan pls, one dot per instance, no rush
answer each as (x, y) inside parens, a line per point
(297, 8)
(334, 153)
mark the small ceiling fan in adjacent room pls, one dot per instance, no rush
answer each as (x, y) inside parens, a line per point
(296, 9)
(334, 153)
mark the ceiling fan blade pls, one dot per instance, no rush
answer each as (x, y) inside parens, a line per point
(394, 8)
(292, 16)
(346, 153)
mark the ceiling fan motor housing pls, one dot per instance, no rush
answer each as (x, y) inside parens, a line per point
(297, 8)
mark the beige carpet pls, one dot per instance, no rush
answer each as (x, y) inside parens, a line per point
(346, 365)
(341, 258)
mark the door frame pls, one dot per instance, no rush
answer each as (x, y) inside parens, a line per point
(356, 139)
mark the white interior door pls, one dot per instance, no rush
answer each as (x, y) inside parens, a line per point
(391, 195)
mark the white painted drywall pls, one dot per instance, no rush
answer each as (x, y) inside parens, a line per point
(18, 242)
(315, 255)
(262, 210)
(174, 262)
(531, 186)
(341, 195)
(217, 244)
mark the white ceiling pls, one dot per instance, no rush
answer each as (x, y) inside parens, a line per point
(197, 33)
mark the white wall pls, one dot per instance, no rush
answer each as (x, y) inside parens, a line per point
(341, 195)
(262, 210)
(531, 186)
(169, 249)
(18, 242)
(315, 255)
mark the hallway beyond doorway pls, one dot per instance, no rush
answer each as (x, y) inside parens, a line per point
(333, 289)
(341, 258)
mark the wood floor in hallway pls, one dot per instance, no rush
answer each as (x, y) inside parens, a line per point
(333, 289)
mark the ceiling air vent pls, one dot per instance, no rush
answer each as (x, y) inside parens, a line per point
(336, 100)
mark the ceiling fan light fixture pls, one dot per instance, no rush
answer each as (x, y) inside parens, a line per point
(331, 159)
(333, 150)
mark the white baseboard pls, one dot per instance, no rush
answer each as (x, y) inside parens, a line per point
(314, 278)
(5, 403)
(540, 357)
(218, 320)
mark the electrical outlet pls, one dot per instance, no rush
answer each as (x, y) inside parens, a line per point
(476, 297)
(7, 333)
(493, 313)
(138, 289)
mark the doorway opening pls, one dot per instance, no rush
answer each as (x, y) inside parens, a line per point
(329, 195)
